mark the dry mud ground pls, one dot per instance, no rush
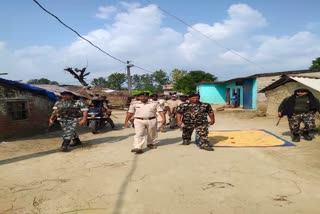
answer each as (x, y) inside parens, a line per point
(103, 176)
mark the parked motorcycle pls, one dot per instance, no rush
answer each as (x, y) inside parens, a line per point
(96, 119)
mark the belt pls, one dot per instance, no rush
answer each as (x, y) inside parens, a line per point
(148, 118)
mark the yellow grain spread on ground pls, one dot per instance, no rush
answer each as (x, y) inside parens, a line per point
(243, 138)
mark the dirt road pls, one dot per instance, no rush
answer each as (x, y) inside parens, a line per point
(104, 177)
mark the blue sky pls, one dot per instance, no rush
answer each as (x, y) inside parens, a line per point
(273, 35)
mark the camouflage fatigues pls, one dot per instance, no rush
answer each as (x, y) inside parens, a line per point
(308, 119)
(194, 116)
(68, 113)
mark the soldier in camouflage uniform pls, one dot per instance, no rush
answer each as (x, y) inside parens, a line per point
(300, 108)
(69, 111)
(193, 115)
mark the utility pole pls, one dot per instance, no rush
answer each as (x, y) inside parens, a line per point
(129, 76)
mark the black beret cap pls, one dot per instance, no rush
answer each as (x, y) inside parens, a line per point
(194, 95)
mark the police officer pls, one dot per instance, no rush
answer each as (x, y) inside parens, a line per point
(172, 105)
(133, 100)
(155, 98)
(145, 122)
(70, 113)
(193, 115)
(300, 108)
(182, 99)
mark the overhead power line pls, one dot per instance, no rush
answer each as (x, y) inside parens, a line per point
(91, 43)
(208, 37)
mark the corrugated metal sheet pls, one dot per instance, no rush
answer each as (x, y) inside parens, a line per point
(313, 83)
(48, 93)
(57, 89)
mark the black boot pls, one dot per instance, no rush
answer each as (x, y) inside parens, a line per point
(306, 135)
(295, 137)
(64, 146)
(186, 142)
(206, 147)
(76, 142)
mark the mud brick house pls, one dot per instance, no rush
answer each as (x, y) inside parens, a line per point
(24, 109)
(219, 92)
(286, 86)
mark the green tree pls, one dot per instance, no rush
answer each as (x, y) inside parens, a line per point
(315, 64)
(42, 81)
(188, 82)
(143, 82)
(116, 80)
(177, 74)
(99, 82)
(160, 78)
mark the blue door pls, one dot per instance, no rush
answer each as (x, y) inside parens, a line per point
(247, 96)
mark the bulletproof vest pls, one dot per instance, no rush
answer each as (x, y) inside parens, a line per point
(302, 104)
(69, 110)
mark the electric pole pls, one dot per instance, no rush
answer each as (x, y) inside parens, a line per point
(129, 76)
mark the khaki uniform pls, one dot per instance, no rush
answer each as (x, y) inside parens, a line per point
(163, 105)
(145, 122)
(173, 104)
(134, 101)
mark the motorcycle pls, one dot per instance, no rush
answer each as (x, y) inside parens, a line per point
(96, 119)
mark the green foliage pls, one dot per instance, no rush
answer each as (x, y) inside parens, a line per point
(42, 81)
(315, 64)
(177, 74)
(150, 82)
(160, 78)
(189, 81)
(143, 82)
(99, 82)
(116, 80)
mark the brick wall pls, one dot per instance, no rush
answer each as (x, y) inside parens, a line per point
(262, 100)
(276, 96)
(39, 109)
(261, 97)
(118, 99)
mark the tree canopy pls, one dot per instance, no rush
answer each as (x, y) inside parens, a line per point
(315, 64)
(42, 81)
(115, 81)
(151, 82)
(183, 81)
(177, 74)
(188, 83)
(99, 82)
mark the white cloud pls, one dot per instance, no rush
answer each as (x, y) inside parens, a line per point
(104, 12)
(138, 34)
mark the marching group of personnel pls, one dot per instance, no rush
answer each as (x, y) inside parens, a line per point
(189, 115)
(148, 115)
